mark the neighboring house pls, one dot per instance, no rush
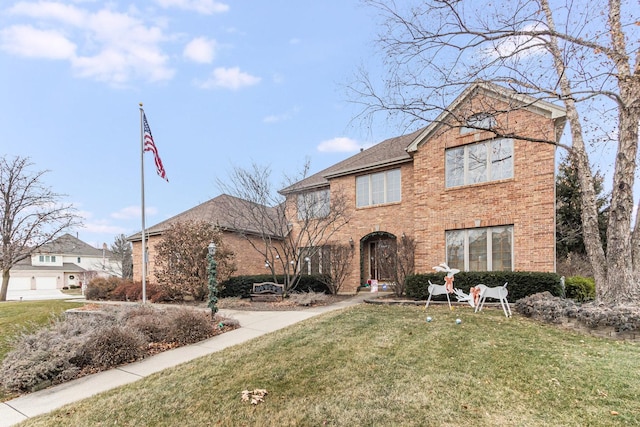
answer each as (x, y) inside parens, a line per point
(465, 189)
(66, 261)
(217, 212)
(475, 189)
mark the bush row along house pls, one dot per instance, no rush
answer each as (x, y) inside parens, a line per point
(67, 261)
(475, 189)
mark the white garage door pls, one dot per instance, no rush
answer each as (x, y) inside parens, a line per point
(43, 283)
(19, 283)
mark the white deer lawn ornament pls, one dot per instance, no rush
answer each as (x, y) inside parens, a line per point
(445, 289)
(479, 293)
(437, 290)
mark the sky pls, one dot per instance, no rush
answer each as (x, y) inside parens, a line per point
(224, 84)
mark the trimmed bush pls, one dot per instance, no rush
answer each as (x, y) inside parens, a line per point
(188, 326)
(113, 345)
(580, 289)
(101, 288)
(520, 283)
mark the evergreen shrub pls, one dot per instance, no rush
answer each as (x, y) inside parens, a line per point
(520, 283)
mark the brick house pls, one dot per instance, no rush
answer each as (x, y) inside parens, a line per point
(217, 212)
(475, 189)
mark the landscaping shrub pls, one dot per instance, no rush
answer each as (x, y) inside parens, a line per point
(101, 288)
(580, 289)
(45, 357)
(188, 326)
(99, 340)
(520, 283)
(112, 345)
(146, 320)
(307, 298)
(552, 309)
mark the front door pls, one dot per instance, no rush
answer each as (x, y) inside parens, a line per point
(381, 259)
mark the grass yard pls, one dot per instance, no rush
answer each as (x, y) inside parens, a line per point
(375, 365)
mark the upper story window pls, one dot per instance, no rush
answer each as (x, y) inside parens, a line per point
(47, 258)
(314, 204)
(480, 121)
(476, 163)
(378, 188)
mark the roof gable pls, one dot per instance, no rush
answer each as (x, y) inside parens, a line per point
(519, 100)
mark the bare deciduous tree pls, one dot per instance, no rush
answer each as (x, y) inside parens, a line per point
(181, 259)
(278, 226)
(338, 266)
(32, 214)
(584, 57)
(398, 260)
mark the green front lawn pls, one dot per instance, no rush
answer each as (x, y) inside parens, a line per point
(377, 365)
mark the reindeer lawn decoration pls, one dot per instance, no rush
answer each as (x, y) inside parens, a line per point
(479, 293)
(445, 289)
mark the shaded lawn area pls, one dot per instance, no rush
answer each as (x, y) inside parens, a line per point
(375, 365)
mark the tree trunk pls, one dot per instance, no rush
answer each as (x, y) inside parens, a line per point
(590, 229)
(5, 285)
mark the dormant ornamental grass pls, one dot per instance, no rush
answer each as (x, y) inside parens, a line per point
(386, 366)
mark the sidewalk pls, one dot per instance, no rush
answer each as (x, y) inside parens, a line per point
(252, 325)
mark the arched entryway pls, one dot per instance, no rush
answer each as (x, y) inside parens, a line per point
(377, 257)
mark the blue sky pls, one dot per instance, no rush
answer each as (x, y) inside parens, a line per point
(224, 84)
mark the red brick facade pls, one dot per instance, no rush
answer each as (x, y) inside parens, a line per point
(428, 209)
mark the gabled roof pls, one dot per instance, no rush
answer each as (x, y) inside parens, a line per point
(217, 211)
(521, 101)
(70, 245)
(390, 152)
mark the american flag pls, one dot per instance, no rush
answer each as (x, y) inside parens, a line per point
(149, 145)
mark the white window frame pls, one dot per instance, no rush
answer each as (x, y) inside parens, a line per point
(379, 188)
(468, 177)
(489, 230)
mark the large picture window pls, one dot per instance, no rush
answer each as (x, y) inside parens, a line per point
(476, 163)
(481, 249)
(314, 204)
(378, 188)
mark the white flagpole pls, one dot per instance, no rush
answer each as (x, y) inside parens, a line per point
(144, 252)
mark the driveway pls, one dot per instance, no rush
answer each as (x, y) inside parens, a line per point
(29, 295)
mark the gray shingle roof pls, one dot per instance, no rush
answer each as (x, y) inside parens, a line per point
(218, 211)
(386, 153)
(70, 245)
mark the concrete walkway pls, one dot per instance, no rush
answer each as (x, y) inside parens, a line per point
(252, 325)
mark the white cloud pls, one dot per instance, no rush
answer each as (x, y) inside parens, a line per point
(133, 212)
(116, 47)
(340, 144)
(23, 40)
(50, 10)
(275, 118)
(206, 7)
(519, 46)
(229, 78)
(201, 50)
